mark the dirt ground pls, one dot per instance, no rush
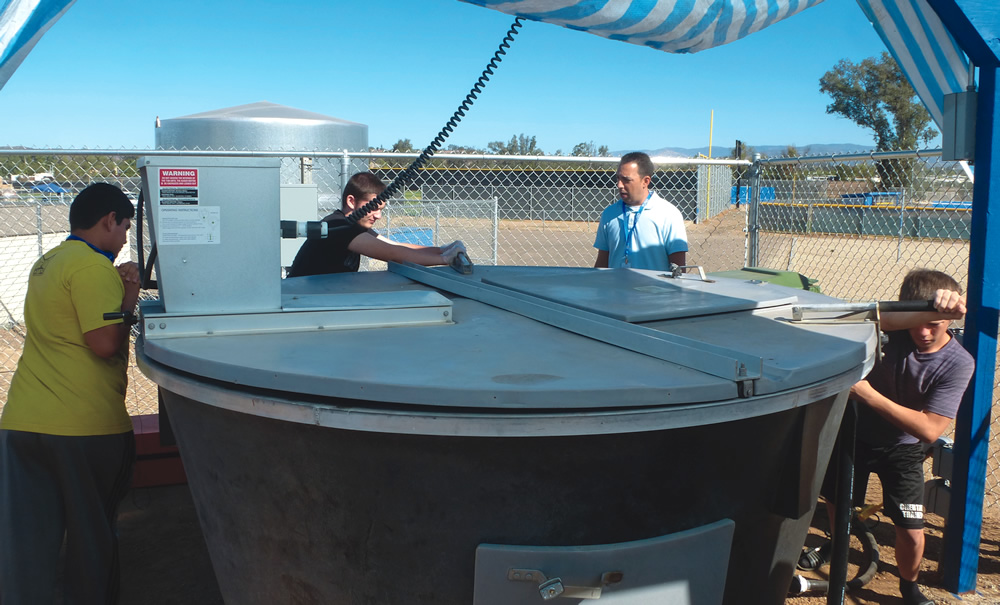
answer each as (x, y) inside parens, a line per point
(883, 589)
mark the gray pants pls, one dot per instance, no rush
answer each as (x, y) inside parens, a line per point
(52, 487)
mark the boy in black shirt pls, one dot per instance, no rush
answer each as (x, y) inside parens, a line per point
(341, 250)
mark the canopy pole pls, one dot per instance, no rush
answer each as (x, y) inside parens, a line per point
(973, 23)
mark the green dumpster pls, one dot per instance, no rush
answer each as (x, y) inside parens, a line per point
(781, 278)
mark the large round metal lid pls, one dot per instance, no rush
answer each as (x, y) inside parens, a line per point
(260, 126)
(523, 338)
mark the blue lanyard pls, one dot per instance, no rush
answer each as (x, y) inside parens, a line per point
(629, 231)
(106, 255)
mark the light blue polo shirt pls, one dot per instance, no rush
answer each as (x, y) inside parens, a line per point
(658, 232)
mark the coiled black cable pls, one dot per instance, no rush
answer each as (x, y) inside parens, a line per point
(411, 172)
(146, 281)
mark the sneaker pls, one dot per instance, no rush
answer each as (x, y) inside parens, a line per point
(814, 558)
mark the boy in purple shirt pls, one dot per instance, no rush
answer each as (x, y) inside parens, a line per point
(909, 398)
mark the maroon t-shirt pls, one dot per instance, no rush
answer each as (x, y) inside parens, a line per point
(934, 382)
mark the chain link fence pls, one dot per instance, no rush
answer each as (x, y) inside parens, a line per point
(858, 223)
(854, 223)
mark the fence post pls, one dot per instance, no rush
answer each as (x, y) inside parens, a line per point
(701, 192)
(960, 555)
(902, 220)
(305, 170)
(753, 213)
(345, 167)
(38, 224)
(437, 222)
(531, 205)
(496, 229)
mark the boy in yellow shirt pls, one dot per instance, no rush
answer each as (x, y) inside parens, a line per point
(66, 442)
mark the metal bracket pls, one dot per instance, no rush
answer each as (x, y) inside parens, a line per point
(854, 313)
(551, 588)
(304, 314)
(676, 271)
(745, 387)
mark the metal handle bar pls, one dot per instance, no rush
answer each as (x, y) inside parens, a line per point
(863, 307)
(906, 305)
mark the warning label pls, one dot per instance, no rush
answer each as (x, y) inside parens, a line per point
(178, 177)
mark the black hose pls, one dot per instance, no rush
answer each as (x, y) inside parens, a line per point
(843, 506)
(869, 548)
(411, 172)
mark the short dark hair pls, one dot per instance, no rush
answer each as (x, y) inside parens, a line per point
(361, 184)
(922, 284)
(642, 162)
(95, 202)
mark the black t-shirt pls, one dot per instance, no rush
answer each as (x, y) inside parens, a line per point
(330, 254)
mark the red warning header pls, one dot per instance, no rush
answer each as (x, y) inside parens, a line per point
(178, 177)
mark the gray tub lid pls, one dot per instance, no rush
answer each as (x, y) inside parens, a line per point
(490, 358)
(638, 296)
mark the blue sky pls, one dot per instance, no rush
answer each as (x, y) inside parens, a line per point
(103, 73)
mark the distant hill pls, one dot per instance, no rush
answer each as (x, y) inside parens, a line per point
(721, 151)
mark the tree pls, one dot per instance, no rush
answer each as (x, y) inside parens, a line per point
(403, 146)
(464, 149)
(874, 94)
(519, 145)
(588, 149)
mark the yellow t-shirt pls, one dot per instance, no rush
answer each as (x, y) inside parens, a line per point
(60, 386)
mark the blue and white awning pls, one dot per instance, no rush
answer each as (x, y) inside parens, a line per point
(675, 26)
(923, 48)
(911, 30)
(22, 23)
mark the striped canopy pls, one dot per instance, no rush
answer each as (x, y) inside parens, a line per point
(910, 29)
(22, 23)
(925, 51)
(675, 26)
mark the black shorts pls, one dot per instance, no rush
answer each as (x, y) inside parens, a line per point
(900, 468)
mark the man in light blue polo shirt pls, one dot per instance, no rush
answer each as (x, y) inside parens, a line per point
(643, 230)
